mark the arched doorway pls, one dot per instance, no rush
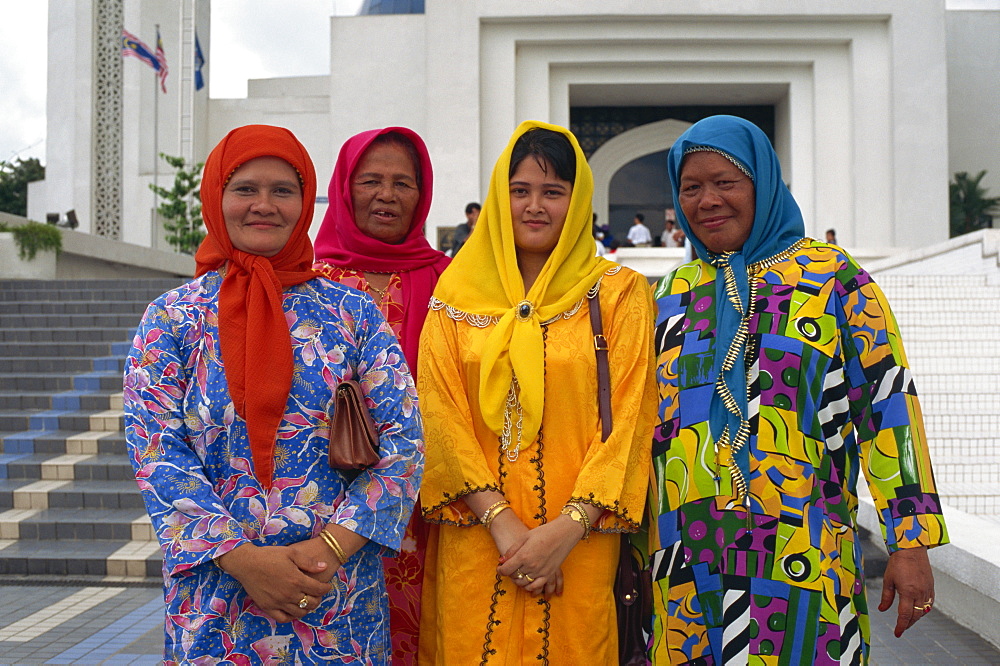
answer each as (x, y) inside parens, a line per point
(620, 152)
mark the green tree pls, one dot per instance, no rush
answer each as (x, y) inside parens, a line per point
(181, 206)
(970, 207)
(14, 179)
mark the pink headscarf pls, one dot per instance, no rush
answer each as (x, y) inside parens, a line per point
(340, 242)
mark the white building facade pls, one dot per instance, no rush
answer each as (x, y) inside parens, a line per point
(855, 94)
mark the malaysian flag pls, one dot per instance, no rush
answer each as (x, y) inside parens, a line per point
(135, 47)
(161, 58)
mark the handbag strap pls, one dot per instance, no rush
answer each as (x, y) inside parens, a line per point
(603, 376)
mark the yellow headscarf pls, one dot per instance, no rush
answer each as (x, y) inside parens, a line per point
(483, 279)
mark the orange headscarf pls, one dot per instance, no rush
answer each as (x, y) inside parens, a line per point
(253, 333)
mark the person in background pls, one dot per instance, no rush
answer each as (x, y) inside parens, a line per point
(600, 250)
(269, 553)
(372, 239)
(529, 498)
(672, 236)
(464, 230)
(638, 234)
(782, 380)
(831, 236)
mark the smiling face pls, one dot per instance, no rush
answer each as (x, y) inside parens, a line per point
(384, 192)
(718, 200)
(539, 201)
(261, 204)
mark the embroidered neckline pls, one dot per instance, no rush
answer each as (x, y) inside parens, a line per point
(482, 321)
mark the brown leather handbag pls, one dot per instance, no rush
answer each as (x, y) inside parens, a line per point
(633, 590)
(353, 438)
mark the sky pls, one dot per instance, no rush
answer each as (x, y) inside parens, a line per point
(250, 40)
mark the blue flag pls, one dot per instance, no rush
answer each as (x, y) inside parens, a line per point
(199, 62)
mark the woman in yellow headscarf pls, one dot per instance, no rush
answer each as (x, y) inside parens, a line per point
(528, 493)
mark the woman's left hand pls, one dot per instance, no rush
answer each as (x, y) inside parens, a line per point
(534, 563)
(908, 574)
(317, 550)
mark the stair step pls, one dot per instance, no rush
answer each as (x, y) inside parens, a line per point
(35, 382)
(930, 281)
(951, 403)
(77, 524)
(947, 336)
(971, 497)
(135, 290)
(60, 350)
(134, 307)
(82, 558)
(54, 494)
(943, 383)
(975, 348)
(64, 366)
(73, 441)
(79, 334)
(69, 320)
(980, 472)
(63, 401)
(970, 448)
(69, 467)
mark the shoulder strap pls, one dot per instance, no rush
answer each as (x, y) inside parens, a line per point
(603, 376)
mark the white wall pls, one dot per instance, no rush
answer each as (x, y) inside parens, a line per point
(974, 94)
(860, 89)
(844, 78)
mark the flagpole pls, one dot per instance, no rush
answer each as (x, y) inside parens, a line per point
(156, 147)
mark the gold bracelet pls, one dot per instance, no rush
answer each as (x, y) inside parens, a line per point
(578, 514)
(489, 521)
(491, 512)
(334, 545)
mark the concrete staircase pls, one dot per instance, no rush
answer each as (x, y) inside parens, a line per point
(69, 504)
(951, 333)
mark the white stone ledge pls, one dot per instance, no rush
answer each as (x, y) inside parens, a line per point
(90, 256)
(966, 571)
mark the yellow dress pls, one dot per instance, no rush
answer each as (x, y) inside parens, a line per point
(471, 614)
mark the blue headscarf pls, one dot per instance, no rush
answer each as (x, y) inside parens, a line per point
(777, 225)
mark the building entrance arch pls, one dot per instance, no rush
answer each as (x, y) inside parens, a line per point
(622, 149)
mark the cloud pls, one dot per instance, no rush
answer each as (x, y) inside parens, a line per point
(254, 39)
(251, 39)
(23, 80)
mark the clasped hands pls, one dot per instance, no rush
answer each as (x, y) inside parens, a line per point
(286, 582)
(533, 558)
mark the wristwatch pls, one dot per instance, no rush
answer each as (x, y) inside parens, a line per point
(577, 514)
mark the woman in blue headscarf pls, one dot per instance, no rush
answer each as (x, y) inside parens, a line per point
(781, 378)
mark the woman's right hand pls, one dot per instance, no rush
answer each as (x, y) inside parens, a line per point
(277, 578)
(508, 531)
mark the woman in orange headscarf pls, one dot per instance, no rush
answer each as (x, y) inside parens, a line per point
(268, 552)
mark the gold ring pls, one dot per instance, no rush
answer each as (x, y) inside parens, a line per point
(518, 575)
(529, 578)
(921, 608)
(304, 602)
(927, 608)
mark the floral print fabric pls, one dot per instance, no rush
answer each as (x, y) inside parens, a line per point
(403, 573)
(192, 462)
(831, 397)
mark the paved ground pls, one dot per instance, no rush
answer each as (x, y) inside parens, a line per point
(76, 623)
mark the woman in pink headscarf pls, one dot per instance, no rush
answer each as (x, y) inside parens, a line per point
(372, 239)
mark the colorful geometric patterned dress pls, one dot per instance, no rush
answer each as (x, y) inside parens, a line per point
(404, 572)
(831, 397)
(192, 462)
